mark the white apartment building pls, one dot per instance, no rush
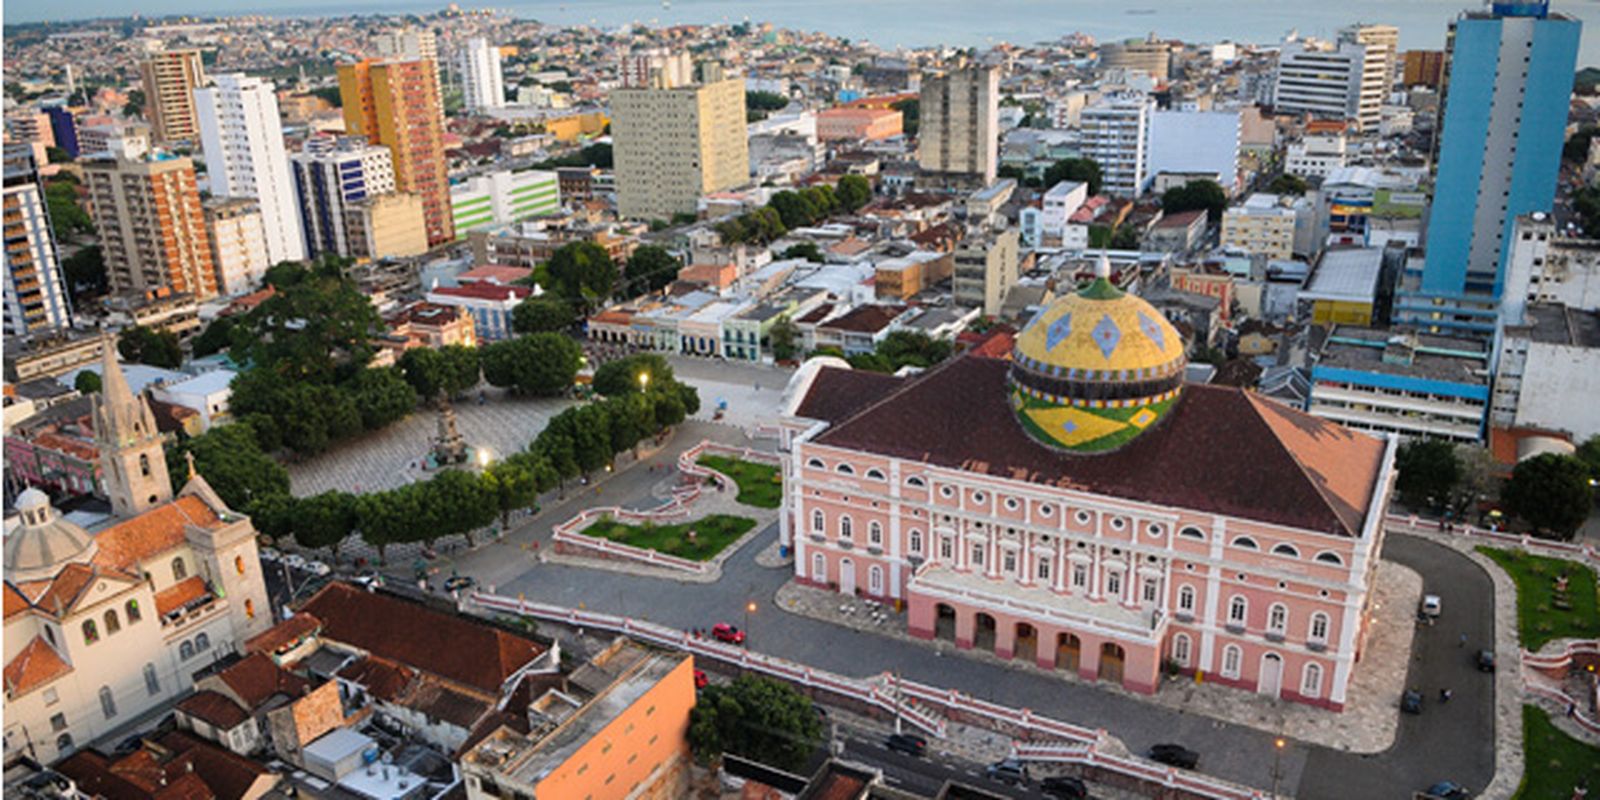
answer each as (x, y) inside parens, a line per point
(1189, 142)
(1316, 155)
(1116, 134)
(482, 85)
(1544, 267)
(503, 197)
(238, 243)
(242, 137)
(1046, 226)
(1347, 80)
(656, 66)
(36, 295)
(330, 174)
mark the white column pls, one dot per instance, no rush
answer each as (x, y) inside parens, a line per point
(1208, 617)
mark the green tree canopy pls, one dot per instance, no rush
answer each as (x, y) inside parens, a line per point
(765, 101)
(911, 113)
(215, 338)
(540, 363)
(67, 217)
(1589, 454)
(583, 273)
(854, 191)
(1288, 184)
(1083, 170)
(784, 339)
(621, 376)
(382, 396)
(316, 325)
(1551, 492)
(87, 382)
(806, 250)
(1196, 195)
(757, 718)
(230, 459)
(147, 346)
(325, 520)
(545, 314)
(651, 268)
(85, 271)
(1429, 472)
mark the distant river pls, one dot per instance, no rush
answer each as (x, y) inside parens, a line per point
(892, 23)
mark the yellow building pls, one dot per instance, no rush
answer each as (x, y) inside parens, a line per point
(386, 226)
(1260, 226)
(674, 145)
(396, 104)
(573, 127)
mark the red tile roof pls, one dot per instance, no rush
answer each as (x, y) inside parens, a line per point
(214, 708)
(451, 646)
(65, 589)
(1182, 219)
(257, 678)
(76, 448)
(15, 602)
(283, 635)
(497, 273)
(152, 533)
(37, 665)
(180, 594)
(866, 319)
(482, 291)
(1219, 450)
(382, 678)
(837, 394)
(229, 776)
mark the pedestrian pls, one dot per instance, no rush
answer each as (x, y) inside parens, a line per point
(1444, 695)
(1462, 642)
(1572, 710)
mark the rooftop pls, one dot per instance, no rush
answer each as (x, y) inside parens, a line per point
(1346, 274)
(1437, 358)
(866, 319)
(1554, 323)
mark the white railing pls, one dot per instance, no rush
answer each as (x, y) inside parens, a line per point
(1565, 701)
(1535, 545)
(568, 533)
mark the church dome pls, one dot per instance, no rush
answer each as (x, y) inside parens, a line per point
(44, 543)
(1095, 369)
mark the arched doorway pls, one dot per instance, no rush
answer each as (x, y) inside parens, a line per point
(983, 636)
(1027, 646)
(1067, 649)
(1111, 658)
(1271, 682)
(944, 622)
(847, 576)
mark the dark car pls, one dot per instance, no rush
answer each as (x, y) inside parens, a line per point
(1175, 755)
(129, 745)
(1485, 660)
(723, 632)
(1063, 787)
(1448, 790)
(906, 743)
(1010, 771)
(462, 582)
(1411, 702)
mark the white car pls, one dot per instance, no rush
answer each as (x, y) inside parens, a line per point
(1431, 605)
(269, 555)
(318, 568)
(294, 561)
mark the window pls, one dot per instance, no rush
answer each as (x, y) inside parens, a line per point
(1152, 589)
(1232, 657)
(916, 482)
(1180, 649)
(58, 723)
(238, 564)
(818, 522)
(1044, 569)
(819, 567)
(132, 610)
(112, 623)
(1008, 562)
(946, 492)
(915, 542)
(1245, 543)
(186, 650)
(1080, 576)
(1327, 557)
(1011, 504)
(1045, 509)
(1278, 618)
(91, 632)
(978, 497)
(846, 529)
(64, 742)
(1113, 583)
(875, 580)
(1237, 610)
(152, 684)
(816, 463)
(845, 469)
(977, 555)
(1285, 550)
(876, 474)
(1311, 681)
(1319, 627)
(249, 608)
(202, 642)
(875, 533)
(1186, 599)
(108, 704)
(179, 569)
(144, 465)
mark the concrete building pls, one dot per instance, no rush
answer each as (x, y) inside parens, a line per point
(36, 294)
(491, 305)
(675, 144)
(1549, 269)
(1199, 142)
(1116, 134)
(411, 44)
(503, 197)
(1176, 233)
(482, 86)
(1342, 81)
(151, 224)
(1423, 68)
(1370, 206)
(1414, 385)
(858, 124)
(386, 226)
(1504, 120)
(1348, 288)
(656, 67)
(1548, 372)
(1046, 225)
(397, 104)
(1261, 225)
(330, 174)
(959, 131)
(170, 78)
(238, 244)
(1386, 38)
(243, 142)
(986, 268)
(1150, 55)
(1316, 154)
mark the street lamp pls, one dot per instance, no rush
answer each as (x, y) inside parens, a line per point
(749, 608)
(1277, 762)
(644, 381)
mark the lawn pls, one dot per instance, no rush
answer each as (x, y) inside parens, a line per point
(1556, 762)
(1538, 618)
(711, 535)
(759, 484)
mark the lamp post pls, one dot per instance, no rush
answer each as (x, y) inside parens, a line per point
(1277, 763)
(644, 381)
(749, 608)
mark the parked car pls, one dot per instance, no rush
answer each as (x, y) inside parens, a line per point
(1175, 755)
(1064, 787)
(906, 743)
(459, 582)
(318, 569)
(1011, 772)
(1432, 606)
(269, 555)
(368, 580)
(294, 561)
(129, 745)
(1485, 660)
(1411, 701)
(700, 680)
(1447, 790)
(723, 632)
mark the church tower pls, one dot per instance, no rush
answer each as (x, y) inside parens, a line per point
(132, 463)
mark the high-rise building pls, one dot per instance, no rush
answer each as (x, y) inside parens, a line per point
(243, 141)
(1423, 68)
(170, 78)
(238, 243)
(482, 86)
(1150, 55)
(1386, 37)
(1116, 134)
(151, 224)
(1347, 80)
(959, 131)
(502, 197)
(396, 104)
(986, 268)
(36, 295)
(30, 127)
(410, 45)
(657, 66)
(1505, 116)
(330, 173)
(64, 128)
(675, 144)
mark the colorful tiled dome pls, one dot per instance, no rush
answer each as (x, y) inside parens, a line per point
(1095, 369)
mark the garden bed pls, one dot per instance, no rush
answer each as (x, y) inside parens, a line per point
(711, 535)
(760, 485)
(1555, 761)
(1545, 614)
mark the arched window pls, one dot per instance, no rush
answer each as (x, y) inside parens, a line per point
(875, 580)
(152, 684)
(1238, 609)
(1191, 532)
(1278, 618)
(179, 569)
(112, 623)
(916, 481)
(131, 608)
(819, 523)
(1232, 657)
(1285, 550)
(185, 650)
(819, 568)
(816, 463)
(876, 474)
(249, 608)
(1319, 627)
(202, 642)
(1180, 649)
(1329, 557)
(144, 465)
(845, 528)
(1311, 681)
(91, 632)
(238, 564)
(915, 542)
(1186, 599)
(108, 704)
(1245, 543)
(845, 469)
(874, 533)
(64, 743)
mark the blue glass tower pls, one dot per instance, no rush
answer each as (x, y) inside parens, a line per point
(1505, 114)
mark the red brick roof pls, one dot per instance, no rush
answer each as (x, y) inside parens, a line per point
(257, 678)
(483, 291)
(37, 665)
(76, 448)
(180, 594)
(15, 602)
(214, 708)
(283, 634)
(837, 394)
(497, 273)
(1182, 219)
(1219, 450)
(866, 319)
(152, 533)
(451, 646)
(228, 776)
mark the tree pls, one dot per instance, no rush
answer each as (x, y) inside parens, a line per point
(650, 269)
(215, 338)
(274, 515)
(854, 191)
(1125, 237)
(135, 105)
(155, 348)
(540, 363)
(621, 376)
(583, 273)
(325, 520)
(458, 502)
(67, 217)
(542, 315)
(317, 326)
(230, 459)
(782, 337)
(806, 250)
(796, 210)
(330, 95)
(910, 112)
(1429, 471)
(757, 718)
(1196, 195)
(1551, 492)
(1083, 170)
(1589, 454)
(382, 396)
(85, 271)
(913, 348)
(1576, 149)
(1288, 184)
(513, 484)
(87, 382)
(451, 369)
(56, 155)
(765, 101)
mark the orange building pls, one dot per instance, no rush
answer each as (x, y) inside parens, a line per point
(837, 124)
(151, 224)
(1423, 67)
(396, 104)
(624, 738)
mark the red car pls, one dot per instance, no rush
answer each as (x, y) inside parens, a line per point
(700, 680)
(723, 632)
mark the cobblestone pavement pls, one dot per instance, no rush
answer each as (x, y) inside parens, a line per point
(1367, 724)
(387, 458)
